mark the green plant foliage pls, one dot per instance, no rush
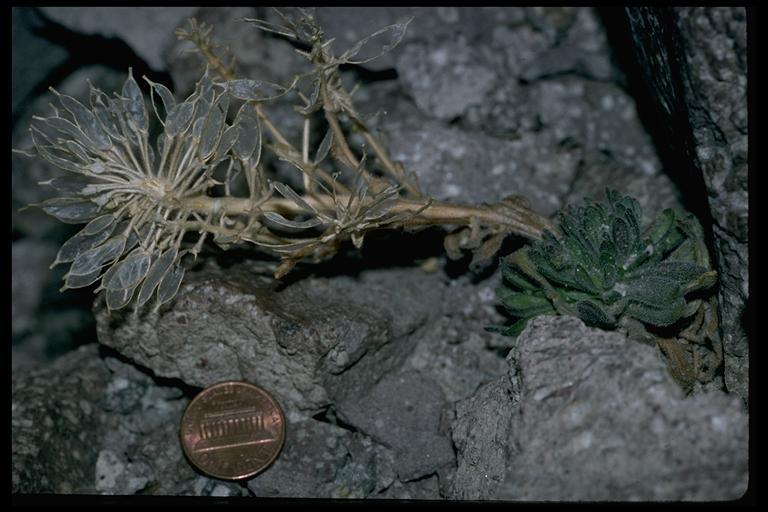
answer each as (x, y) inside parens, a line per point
(604, 268)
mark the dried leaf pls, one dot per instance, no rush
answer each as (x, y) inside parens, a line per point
(129, 272)
(273, 27)
(249, 134)
(70, 185)
(213, 128)
(67, 128)
(99, 225)
(452, 245)
(179, 118)
(314, 103)
(324, 147)
(289, 193)
(76, 246)
(484, 254)
(103, 109)
(169, 285)
(282, 221)
(256, 90)
(133, 102)
(166, 96)
(70, 210)
(97, 257)
(395, 34)
(157, 271)
(72, 281)
(226, 143)
(118, 299)
(86, 121)
(197, 128)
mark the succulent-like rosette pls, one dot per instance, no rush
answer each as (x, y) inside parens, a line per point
(604, 268)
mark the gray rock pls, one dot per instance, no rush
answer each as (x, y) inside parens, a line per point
(149, 31)
(699, 86)
(320, 460)
(92, 425)
(235, 324)
(480, 433)
(587, 132)
(454, 353)
(597, 116)
(30, 260)
(462, 166)
(654, 192)
(32, 56)
(599, 418)
(402, 411)
(351, 24)
(571, 111)
(577, 43)
(715, 50)
(445, 77)
(259, 56)
(28, 352)
(426, 488)
(54, 427)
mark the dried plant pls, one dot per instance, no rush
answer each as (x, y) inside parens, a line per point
(150, 199)
(654, 283)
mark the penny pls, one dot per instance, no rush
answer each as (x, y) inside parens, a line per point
(232, 430)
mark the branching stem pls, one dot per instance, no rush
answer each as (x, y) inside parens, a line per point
(520, 221)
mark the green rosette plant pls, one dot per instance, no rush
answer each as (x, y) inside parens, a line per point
(605, 269)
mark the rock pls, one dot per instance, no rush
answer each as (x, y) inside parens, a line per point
(33, 57)
(597, 116)
(544, 165)
(453, 353)
(28, 352)
(235, 324)
(44, 322)
(320, 460)
(445, 77)
(480, 433)
(470, 167)
(599, 418)
(402, 411)
(715, 54)
(423, 489)
(149, 31)
(259, 56)
(573, 112)
(89, 424)
(54, 427)
(576, 43)
(693, 62)
(351, 24)
(654, 192)
(30, 260)
(140, 450)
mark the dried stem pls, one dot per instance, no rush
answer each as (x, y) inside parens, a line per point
(280, 140)
(521, 221)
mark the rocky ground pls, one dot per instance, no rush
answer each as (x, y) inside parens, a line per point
(391, 386)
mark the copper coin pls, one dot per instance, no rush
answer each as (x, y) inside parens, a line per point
(232, 430)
